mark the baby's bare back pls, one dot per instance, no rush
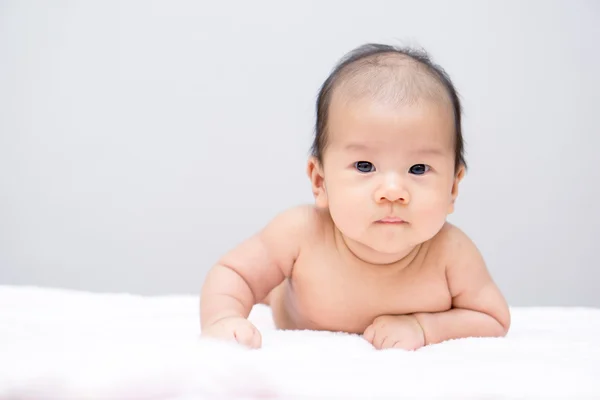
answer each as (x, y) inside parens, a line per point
(330, 289)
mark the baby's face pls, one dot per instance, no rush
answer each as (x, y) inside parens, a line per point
(389, 172)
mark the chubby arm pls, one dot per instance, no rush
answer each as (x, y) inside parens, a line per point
(478, 307)
(246, 274)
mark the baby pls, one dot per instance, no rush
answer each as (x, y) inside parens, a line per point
(374, 255)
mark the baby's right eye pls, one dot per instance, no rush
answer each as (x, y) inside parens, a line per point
(364, 166)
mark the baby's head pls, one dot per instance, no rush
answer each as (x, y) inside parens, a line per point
(388, 145)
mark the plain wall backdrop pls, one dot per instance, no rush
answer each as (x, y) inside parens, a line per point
(141, 140)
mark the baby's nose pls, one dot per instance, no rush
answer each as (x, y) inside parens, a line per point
(392, 190)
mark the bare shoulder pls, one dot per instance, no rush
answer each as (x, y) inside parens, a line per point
(289, 231)
(469, 280)
(466, 269)
(299, 221)
(460, 253)
(457, 245)
(267, 257)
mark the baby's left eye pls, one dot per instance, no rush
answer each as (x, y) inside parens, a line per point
(419, 169)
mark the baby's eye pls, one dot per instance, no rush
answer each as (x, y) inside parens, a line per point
(419, 169)
(364, 166)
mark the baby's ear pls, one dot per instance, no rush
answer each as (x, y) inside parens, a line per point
(460, 174)
(317, 181)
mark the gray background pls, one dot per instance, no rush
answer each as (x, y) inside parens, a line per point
(141, 140)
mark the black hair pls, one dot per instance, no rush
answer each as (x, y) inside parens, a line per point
(369, 52)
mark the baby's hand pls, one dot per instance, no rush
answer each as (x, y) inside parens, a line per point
(395, 331)
(234, 328)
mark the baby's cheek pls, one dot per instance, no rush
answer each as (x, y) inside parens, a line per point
(342, 212)
(431, 199)
(431, 214)
(346, 203)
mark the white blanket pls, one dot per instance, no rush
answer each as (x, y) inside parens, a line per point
(73, 345)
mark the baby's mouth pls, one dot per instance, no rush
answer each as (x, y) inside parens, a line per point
(392, 220)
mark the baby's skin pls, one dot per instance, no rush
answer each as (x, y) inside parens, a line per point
(374, 255)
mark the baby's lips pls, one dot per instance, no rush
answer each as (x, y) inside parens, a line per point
(392, 220)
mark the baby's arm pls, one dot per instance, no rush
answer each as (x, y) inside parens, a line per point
(478, 307)
(244, 276)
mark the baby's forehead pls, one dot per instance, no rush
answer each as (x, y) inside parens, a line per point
(390, 77)
(375, 125)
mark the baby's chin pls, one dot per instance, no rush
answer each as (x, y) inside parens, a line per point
(396, 244)
(383, 251)
(393, 249)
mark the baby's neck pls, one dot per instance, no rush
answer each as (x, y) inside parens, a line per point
(368, 255)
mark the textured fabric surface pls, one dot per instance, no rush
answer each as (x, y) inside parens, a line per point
(74, 345)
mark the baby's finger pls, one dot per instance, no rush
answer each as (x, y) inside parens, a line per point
(369, 334)
(399, 345)
(380, 338)
(244, 336)
(386, 343)
(256, 339)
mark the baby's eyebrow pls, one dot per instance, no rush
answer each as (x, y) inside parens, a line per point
(356, 146)
(434, 151)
